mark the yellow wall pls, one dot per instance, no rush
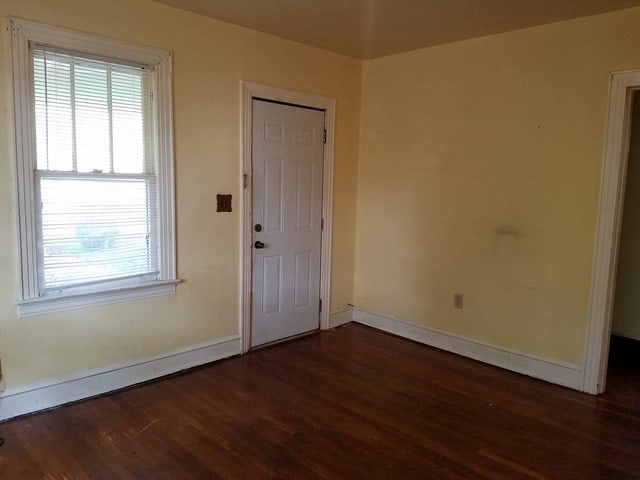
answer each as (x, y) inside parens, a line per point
(210, 59)
(626, 310)
(479, 173)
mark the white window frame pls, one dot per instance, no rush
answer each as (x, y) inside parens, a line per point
(23, 34)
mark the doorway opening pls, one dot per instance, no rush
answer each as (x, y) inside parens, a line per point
(609, 231)
(623, 372)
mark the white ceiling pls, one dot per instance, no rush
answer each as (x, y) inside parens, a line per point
(374, 28)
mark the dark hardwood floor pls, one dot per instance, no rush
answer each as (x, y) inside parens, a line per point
(348, 403)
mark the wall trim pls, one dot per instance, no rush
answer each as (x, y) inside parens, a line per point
(249, 91)
(340, 318)
(61, 303)
(51, 393)
(560, 373)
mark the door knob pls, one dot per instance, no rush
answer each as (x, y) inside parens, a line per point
(258, 227)
(258, 244)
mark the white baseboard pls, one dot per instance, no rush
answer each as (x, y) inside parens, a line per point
(340, 318)
(95, 382)
(565, 374)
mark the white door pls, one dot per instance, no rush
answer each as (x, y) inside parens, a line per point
(287, 155)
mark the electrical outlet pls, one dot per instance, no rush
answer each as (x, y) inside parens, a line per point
(457, 300)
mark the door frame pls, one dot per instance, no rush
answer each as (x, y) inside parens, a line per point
(607, 242)
(258, 91)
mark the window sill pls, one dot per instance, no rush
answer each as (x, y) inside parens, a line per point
(60, 303)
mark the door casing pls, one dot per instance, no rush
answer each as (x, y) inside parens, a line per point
(266, 92)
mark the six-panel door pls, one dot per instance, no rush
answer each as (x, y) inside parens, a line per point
(287, 156)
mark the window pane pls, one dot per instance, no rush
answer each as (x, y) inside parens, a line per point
(53, 114)
(128, 122)
(92, 118)
(91, 115)
(96, 229)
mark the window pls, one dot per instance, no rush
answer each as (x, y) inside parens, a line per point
(95, 169)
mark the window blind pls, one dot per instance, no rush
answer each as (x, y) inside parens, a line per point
(95, 174)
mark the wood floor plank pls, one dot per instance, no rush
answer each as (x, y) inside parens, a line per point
(347, 403)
